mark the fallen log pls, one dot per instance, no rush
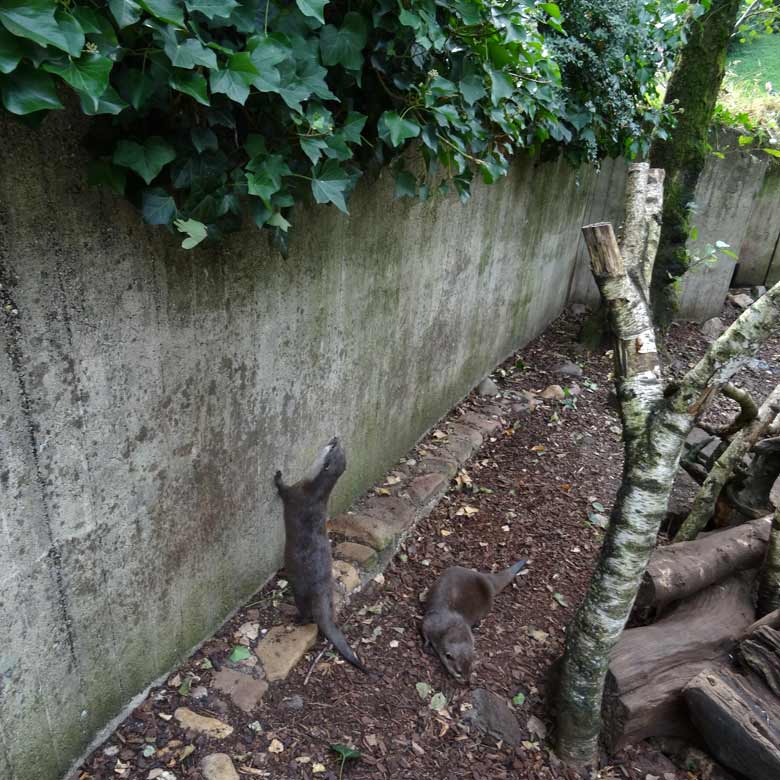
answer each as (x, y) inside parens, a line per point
(677, 571)
(760, 653)
(651, 665)
(739, 719)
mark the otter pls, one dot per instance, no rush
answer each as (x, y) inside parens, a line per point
(307, 556)
(458, 600)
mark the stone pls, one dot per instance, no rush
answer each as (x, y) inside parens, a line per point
(428, 487)
(365, 529)
(757, 292)
(567, 368)
(218, 766)
(438, 464)
(552, 393)
(697, 436)
(494, 409)
(200, 724)
(459, 448)
(578, 309)
(346, 576)
(465, 431)
(293, 703)
(742, 300)
(713, 327)
(245, 692)
(488, 387)
(356, 553)
(491, 714)
(283, 646)
(199, 692)
(484, 425)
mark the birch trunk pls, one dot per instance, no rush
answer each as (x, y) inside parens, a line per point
(704, 504)
(655, 426)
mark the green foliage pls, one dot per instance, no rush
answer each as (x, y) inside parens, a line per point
(211, 110)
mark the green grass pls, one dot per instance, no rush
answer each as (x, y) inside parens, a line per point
(755, 63)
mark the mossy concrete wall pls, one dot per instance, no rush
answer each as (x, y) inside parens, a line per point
(148, 394)
(737, 202)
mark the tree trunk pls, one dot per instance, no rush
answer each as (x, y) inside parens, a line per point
(769, 578)
(651, 665)
(677, 571)
(655, 425)
(739, 718)
(692, 92)
(704, 503)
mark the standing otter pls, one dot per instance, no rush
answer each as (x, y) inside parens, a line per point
(458, 600)
(307, 557)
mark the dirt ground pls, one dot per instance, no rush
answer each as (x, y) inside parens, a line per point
(533, 487)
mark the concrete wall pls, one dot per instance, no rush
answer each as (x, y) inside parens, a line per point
(148, 394)
(737, 201)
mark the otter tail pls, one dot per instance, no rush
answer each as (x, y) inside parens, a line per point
(336, 638)
(502, 578)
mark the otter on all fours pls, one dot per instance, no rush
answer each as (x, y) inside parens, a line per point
(456, 602)
(307, 556)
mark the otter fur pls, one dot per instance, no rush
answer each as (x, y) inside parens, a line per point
(307, 556)
(458, 600)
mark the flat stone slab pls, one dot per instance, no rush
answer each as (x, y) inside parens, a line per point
(438, 464)
(356, 553)
(484, 425)
(200, 724)
(346, 576)
(245, 691)
(218, 766)
(422, 490)
(492, 715)
(460, 448)
(467, 432)
(364, 529)
(282, 647)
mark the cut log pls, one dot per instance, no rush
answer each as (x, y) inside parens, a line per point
(651, 665)
(760, 652)
(739, 719)
(677, 571)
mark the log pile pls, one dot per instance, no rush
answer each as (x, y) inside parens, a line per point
(676, 677)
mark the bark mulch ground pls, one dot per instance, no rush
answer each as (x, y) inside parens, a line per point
(534, 487)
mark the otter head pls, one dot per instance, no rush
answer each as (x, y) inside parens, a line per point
(455, 648)
(326, 469)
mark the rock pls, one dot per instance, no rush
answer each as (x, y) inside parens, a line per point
(346, 576)
(742, 300)
(218, 766)
(713, 327)
(697, 436)
(294, 703)
(422, 490)
(656, 764)
(199, 692)
(488, 387)
(357, 553)
(567, 368)
(553, 392)
(492, 715)
(372, 531)
(757, 292)
(200, 724)
(484, 425)
(438, 464)
(245, 691)
(466, 432)
(578, 309)
(282, 647)
(459, 448)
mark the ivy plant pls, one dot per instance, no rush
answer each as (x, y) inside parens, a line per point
(209, 112)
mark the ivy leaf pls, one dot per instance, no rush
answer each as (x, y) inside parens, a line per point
(239, 653)
(212, 8)
(158, 207)
(405, 184)
(312, 148)
(772, 152)
(189, 53)
(267, 52)
(196, 232)
(72, 32)
(28, 91)
(265, 178)
(169, 11)
(35, 21)
(344, 46)
(277, 220)
(353, 126)
(501, 87)
(126, 12)
(12, 49)
(331, 184)
(109, 102)
(472, 88)
(313, 8)
(203, 138)
(192, 84)
(234, 80)
(146, 160)
(88, 74)
(394, 130)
